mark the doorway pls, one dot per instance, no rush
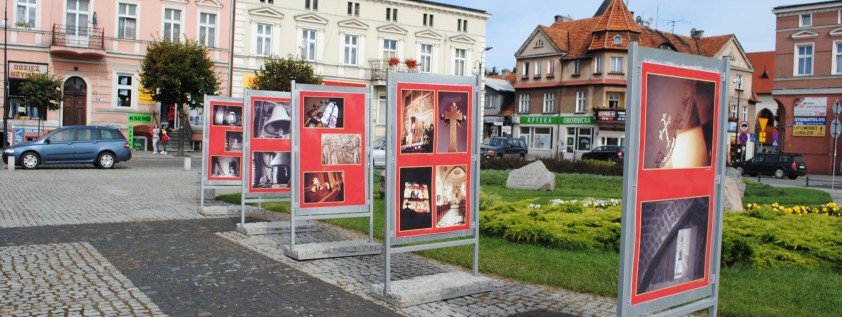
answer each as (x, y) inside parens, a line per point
(75, 101)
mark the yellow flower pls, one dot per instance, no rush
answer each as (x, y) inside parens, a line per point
(789, 210)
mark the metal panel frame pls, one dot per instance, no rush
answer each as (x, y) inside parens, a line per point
(390, 238)
(704, 297)
(205, 182)
(298, 213)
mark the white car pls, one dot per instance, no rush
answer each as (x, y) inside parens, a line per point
(378, 153)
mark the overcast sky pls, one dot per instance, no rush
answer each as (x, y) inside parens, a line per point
(513, 20)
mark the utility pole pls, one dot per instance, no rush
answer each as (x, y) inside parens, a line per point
(5, 74)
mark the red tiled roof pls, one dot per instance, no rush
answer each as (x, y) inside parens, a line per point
(578, 32)
(764, 63)
(713, 44)
(616, 18)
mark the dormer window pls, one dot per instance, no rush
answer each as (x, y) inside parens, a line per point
(618, 40)
(539, 43)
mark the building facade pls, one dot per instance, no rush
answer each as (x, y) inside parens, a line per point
(808, 80)
(766, 107)
(571, 78)
(354, 43)
(96, 47)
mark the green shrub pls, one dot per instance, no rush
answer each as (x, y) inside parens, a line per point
(558, 166)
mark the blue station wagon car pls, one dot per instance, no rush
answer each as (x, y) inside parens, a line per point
(99, 145)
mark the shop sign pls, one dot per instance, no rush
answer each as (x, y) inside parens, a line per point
(611, 115)
(26, 70)
(249, 81)
(808, 130)
(809, 120)
(143, 118)
(570, 120)
(539, 120)
(143, 96)
(810, 107)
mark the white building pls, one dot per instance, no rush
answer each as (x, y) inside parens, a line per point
(351, 42)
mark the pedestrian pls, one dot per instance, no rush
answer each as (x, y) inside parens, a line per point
(155, 137)
(165, 138)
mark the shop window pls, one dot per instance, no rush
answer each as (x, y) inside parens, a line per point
(125, 91)
(580, 138)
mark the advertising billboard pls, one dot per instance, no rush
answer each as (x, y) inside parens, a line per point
(267, 134)
(223, 141)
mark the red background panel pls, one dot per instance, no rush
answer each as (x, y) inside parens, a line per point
(265, 145)
(216, 141)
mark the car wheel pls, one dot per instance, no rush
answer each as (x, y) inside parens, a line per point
(105, 160)
(740, 170)
(30, 160)
(779, 173)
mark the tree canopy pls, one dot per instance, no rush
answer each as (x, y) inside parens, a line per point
(276, 73)
(178, 73)
(43, 91)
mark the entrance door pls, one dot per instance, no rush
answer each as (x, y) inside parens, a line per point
(75, 101)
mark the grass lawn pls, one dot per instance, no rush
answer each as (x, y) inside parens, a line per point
(743, 292)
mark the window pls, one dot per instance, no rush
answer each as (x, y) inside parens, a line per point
(462, 25)
(804, 59)
(125, 91)
(263, 39)
(390, 49)
(580, 101)
(734, 110)
(127, 21)
(392, 14)
(539, 43)
(426, 58)
(541, 137)
(428, 20)
(207, 29)
(525, 71)
(311, 4)
(172, 25)
(459, 59)
(350, 49)
(613, 100)
(738, 83)
(537, 69)
(354, 9)
(806, 20)
(523, 105)
(617, 64)
(550, 68)
(837, 58)
(77, 18)
(549, 102)
(745, 113)
(26, 13)
(618, 40)
(381, 114)
(612, 141)
(576, 67)
(267, 1)
(308, 44)
(580, 138)
(597, 65)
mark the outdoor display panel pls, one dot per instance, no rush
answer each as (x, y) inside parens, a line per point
(267, 132)
(223, 141)
(672, 190)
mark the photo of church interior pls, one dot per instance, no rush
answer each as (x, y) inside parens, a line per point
(227, 115)
(341, 149)
(417, 122)
(225, 166)
(323, 187)
(233, 141)
(450, 195)
(271, 170)
(271, 120)
(324, 112)
(415, 212)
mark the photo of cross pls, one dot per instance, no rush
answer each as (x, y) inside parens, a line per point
(454, 118)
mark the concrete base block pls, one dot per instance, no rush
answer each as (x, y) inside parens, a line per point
(226, 210)
(258, 228)
(431, 288)
(312, 251)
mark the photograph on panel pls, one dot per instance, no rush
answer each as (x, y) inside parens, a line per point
(323, 112)
(271, 170)
(451, 195)
(324, 187)
(673, 242)
(225, 166)
(414, 193)
(227, 115)
(341, 149)
(679, 122)
(416, 121)
(272, 120)
(233, 141)
(453, 122)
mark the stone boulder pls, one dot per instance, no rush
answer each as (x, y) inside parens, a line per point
(733, 191)
(534, 176)
(734, 174)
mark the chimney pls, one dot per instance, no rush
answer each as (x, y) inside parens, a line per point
(697, 34)
(563, 18)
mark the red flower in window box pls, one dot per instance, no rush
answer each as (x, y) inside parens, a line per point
(411, 63)
(394, 61)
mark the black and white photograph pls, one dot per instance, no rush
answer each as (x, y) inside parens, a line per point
(323, 112)
(272, 120)
(417, 121)
(225, 115)
(225, 166)
(673, 242)
(233, 141)
(415, 202)
(271, 170)
(451, 195)
(324, 187)
(452, 122)
(341, 149)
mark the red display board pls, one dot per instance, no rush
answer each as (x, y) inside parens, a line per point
(332, 152)
(225, 142)
(433, 158)
(676, 181)
(270, 168)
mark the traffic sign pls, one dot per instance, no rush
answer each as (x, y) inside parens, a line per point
(835, 128)
(837, 108)
(752, 137)
(763, 122)
(762, 137)
(775, 136)
(743, 126)
(743, 138)
(775, 143)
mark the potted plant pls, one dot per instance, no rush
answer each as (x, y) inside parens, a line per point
(393, 61)
(411, 63)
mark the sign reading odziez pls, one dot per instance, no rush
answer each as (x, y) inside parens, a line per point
(26, 70)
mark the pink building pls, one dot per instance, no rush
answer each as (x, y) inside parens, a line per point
(95, 47)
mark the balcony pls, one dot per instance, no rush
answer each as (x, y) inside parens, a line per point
(78, 41)
(379, 68)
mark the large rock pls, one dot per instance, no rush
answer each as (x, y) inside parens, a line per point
(533, 176)
(733, 191)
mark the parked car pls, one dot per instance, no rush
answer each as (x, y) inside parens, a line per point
(777, 164)
(378, 153)
(503, 146)
(613, 153)
(99, 145)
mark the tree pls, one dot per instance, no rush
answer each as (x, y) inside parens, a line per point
(492, 72)
(179, 74)
(42, 91)
(276, 73)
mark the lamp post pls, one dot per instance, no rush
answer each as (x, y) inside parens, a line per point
(5, 74)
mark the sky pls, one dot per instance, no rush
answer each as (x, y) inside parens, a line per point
(512, 21)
